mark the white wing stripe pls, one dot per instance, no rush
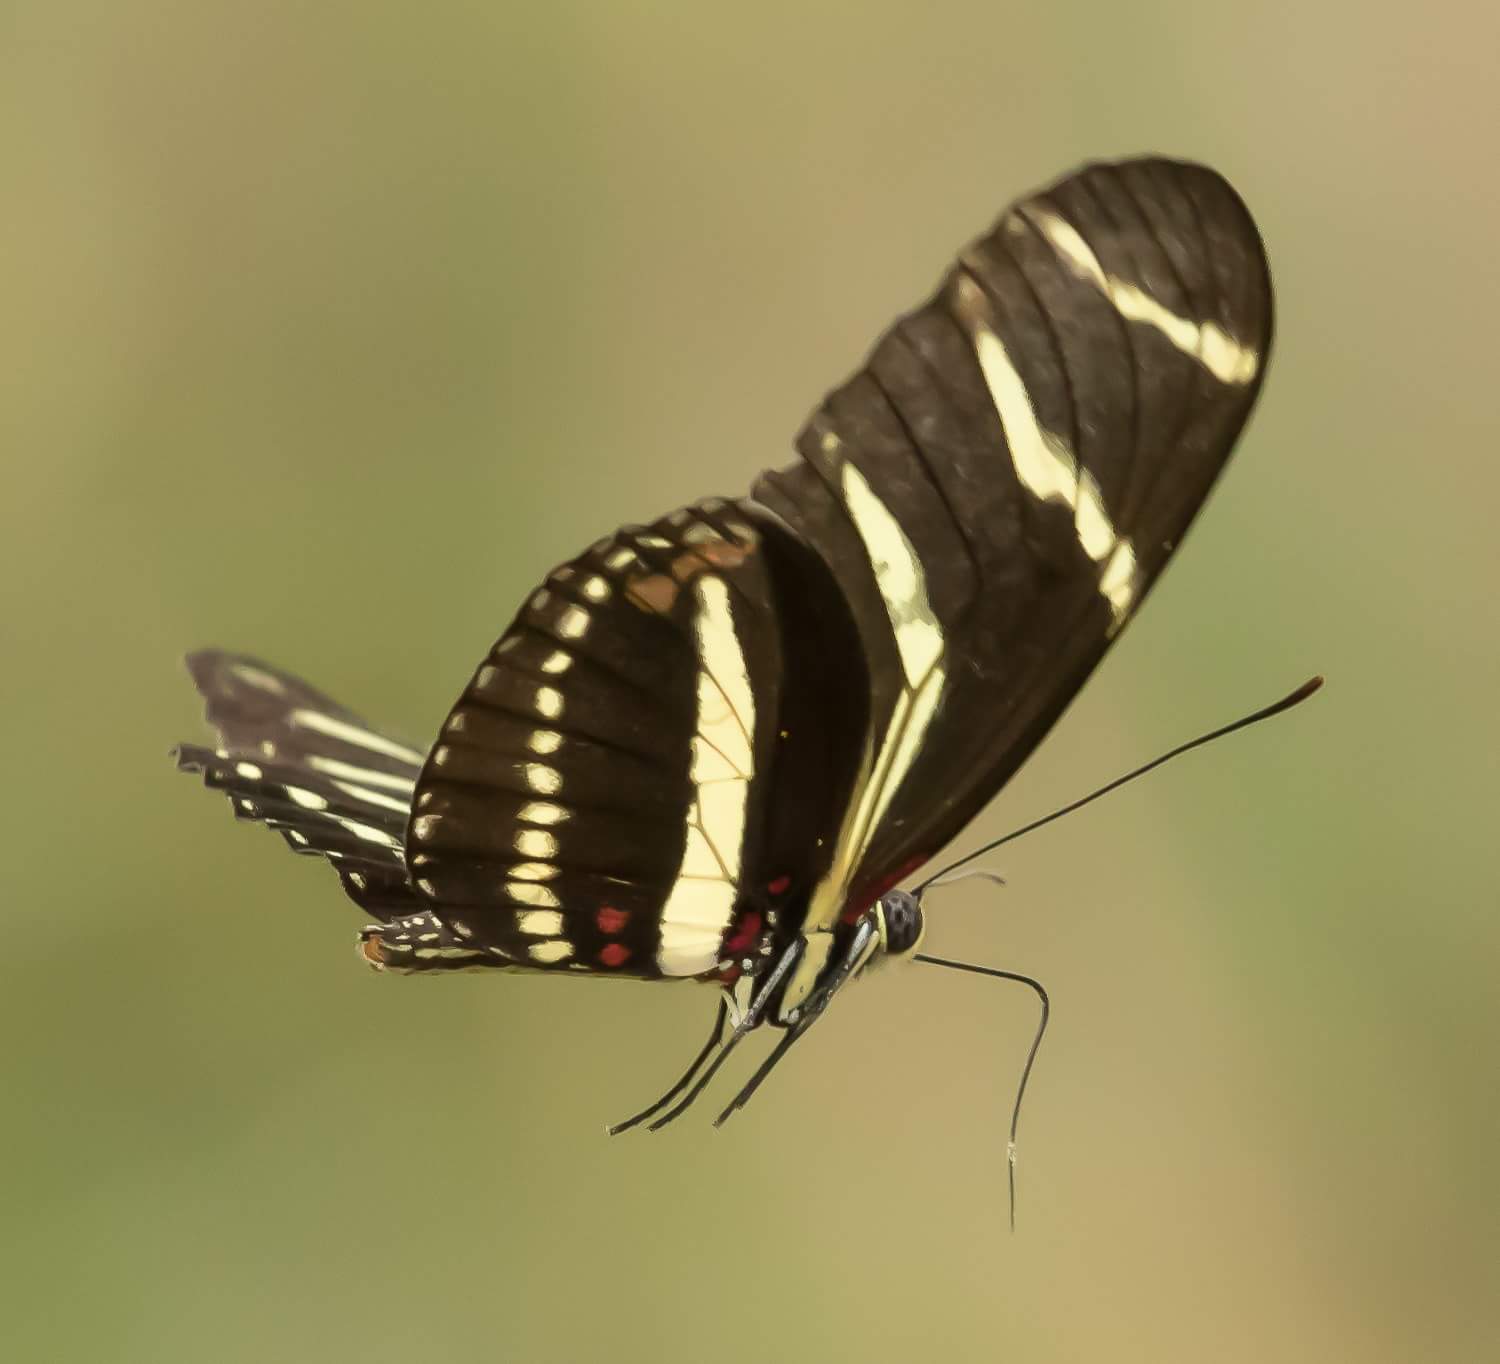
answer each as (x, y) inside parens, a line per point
(1044, 464)
(700, 906)
(364, 775)
(1207, 343)
(353, 734)
(898, 574)
(902, 583)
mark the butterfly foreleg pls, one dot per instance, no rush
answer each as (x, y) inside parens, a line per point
(715, 1039)
(862, 947)
(750, 1020)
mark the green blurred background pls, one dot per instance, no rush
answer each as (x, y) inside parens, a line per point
(328, 329)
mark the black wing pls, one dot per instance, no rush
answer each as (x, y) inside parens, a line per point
(998, 488)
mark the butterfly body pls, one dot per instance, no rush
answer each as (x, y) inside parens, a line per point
(709, 748)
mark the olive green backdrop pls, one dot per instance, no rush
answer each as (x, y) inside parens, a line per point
(328, 329)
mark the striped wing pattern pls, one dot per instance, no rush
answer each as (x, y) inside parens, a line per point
(298, 762)
(749, 719)
(999, 486)
(592, 796)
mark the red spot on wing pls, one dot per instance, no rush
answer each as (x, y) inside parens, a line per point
(614, 954)
(610, 919)
(779, 885)
(745, 935)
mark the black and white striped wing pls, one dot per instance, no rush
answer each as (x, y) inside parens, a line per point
(592, 801)
(751, 718)
(997, 489)
(295, 760)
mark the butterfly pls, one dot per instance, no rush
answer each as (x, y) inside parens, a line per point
(711, 747)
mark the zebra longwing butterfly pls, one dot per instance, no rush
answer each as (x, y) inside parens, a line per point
(710, 748)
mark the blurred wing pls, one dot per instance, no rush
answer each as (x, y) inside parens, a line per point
(298, 762)
(999, 486)
(592, 801)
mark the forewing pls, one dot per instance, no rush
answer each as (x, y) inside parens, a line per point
(998, 488)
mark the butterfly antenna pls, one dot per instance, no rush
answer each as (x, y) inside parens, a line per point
(975, 874)
(1295, 698)
(1036, 1042)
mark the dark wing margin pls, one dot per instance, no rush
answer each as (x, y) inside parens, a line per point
(296, 761)
(998, 488)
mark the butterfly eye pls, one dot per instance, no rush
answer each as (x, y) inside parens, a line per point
(900, 917)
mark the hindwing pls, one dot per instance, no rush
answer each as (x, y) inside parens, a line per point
(593, 799)
(295, 760)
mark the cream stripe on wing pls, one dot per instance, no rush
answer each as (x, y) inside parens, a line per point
(898, 573)
(1044, 464)
(902, 584)
(700, 906)
(364, 775)
(1209, 344)
(353, 734)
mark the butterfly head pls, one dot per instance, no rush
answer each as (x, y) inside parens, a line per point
(899, 921)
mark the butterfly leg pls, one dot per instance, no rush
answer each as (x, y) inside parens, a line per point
(748, 1022)
(864, 945)
(714, 1039)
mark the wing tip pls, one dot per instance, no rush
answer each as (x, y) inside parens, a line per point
(202, 664)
